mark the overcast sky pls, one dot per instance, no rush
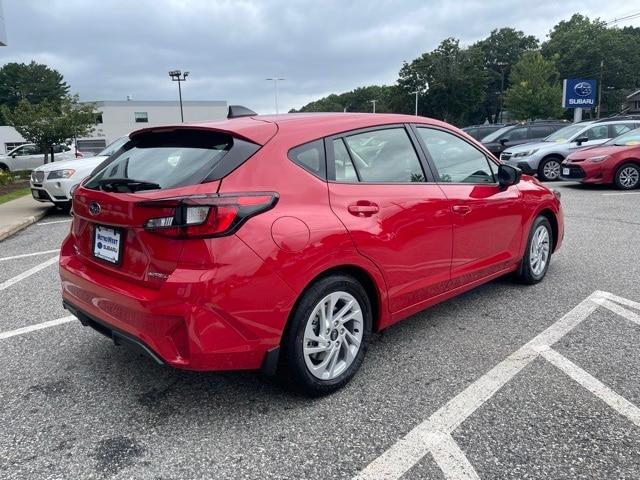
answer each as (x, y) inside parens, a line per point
(108, 49)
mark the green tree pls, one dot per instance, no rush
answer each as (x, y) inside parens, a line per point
(49, 123)
(501, 50)
(357, 100)
(451, 81)
(585, 48)
(535, 90)
(32, 82)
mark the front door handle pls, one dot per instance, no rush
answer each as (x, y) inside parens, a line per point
(363, 209)
(461, 209)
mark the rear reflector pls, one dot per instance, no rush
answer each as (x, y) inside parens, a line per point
(205, 216)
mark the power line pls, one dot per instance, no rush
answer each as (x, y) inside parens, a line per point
(629, 16)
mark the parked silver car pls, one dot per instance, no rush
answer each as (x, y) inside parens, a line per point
(544, 158)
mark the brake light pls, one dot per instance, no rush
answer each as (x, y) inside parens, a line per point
(206, 216)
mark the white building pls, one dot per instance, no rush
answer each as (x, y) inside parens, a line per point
(118, 118)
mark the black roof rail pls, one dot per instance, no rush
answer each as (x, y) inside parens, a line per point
(237, 111)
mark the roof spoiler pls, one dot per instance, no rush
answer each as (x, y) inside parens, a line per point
(237, 111)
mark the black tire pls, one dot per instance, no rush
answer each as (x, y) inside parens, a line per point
(625, 182)
(4, 168)
(293, 368)
(545, 164)
(64, 207)
(526, 273)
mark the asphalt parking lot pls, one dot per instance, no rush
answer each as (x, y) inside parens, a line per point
(506, 381)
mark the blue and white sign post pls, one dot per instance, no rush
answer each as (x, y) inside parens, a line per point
(578, 93)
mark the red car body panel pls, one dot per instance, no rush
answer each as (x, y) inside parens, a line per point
(602, 172)
(223, 303)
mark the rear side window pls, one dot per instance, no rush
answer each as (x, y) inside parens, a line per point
(310, 156)
(382, 156)
(620, 128)
(161, 160)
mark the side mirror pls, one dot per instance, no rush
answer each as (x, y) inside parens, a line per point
(503, 141)
(508, 175)
(581, 140)
(14, 155)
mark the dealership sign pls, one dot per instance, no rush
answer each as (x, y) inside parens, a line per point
(578, 93)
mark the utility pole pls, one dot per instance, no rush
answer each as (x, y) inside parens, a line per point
(374, 105)
(600, 88)
(275, 81)
(416, 94)
(178, 76)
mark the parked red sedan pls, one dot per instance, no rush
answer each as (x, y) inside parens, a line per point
(614, 162)
(282, 242)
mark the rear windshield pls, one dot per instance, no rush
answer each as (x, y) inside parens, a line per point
(160, 160)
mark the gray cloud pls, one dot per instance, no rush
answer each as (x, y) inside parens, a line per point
(107, 49)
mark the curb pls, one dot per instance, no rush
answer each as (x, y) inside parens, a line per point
(10, 230)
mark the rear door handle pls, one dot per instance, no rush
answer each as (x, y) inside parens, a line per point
(461, 209)
(363, 209)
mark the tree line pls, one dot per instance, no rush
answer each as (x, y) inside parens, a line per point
(508, 70)
(35, 100)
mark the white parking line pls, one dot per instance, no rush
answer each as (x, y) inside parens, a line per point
(620, 193)
(28, 273)
(4, 259)
(434, 434)
(617, 402)
(53, 222)
(38, 326)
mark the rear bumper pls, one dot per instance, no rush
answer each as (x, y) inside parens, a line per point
(206, 320)
(107, 330)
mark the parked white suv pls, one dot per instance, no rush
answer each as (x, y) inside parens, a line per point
(544, 158)
(30, 156)
(53, 182)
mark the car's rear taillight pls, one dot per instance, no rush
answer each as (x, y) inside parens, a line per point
(204, 216)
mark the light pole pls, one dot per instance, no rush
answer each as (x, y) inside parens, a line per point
(178, 76)
(275, 81)
(416, 93)
(374, 105)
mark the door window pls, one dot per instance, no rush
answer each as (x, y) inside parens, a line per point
(620, 128)
(519, 133)
(345, 171)
(600, 132)
(540, 132)
(455, 160)
(384, 156)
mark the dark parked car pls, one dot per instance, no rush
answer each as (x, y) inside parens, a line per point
(520, 133)
(480, 131)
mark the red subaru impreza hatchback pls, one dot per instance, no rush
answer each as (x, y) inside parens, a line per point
(282, 242)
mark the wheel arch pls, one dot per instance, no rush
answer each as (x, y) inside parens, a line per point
(359, 273)
(4, 167)
(551, 217)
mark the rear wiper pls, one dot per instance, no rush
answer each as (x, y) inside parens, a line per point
(125, 185)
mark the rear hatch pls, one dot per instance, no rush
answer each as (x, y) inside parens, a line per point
(140, 188)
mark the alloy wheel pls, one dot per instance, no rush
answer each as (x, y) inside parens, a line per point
(551, 170)
(539, 250)
(333, 335)
(629, 177)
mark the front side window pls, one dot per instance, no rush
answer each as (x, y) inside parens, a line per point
(455, 160)
(600, 132)
(519, 133)
(384, 156)
(141, 117)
